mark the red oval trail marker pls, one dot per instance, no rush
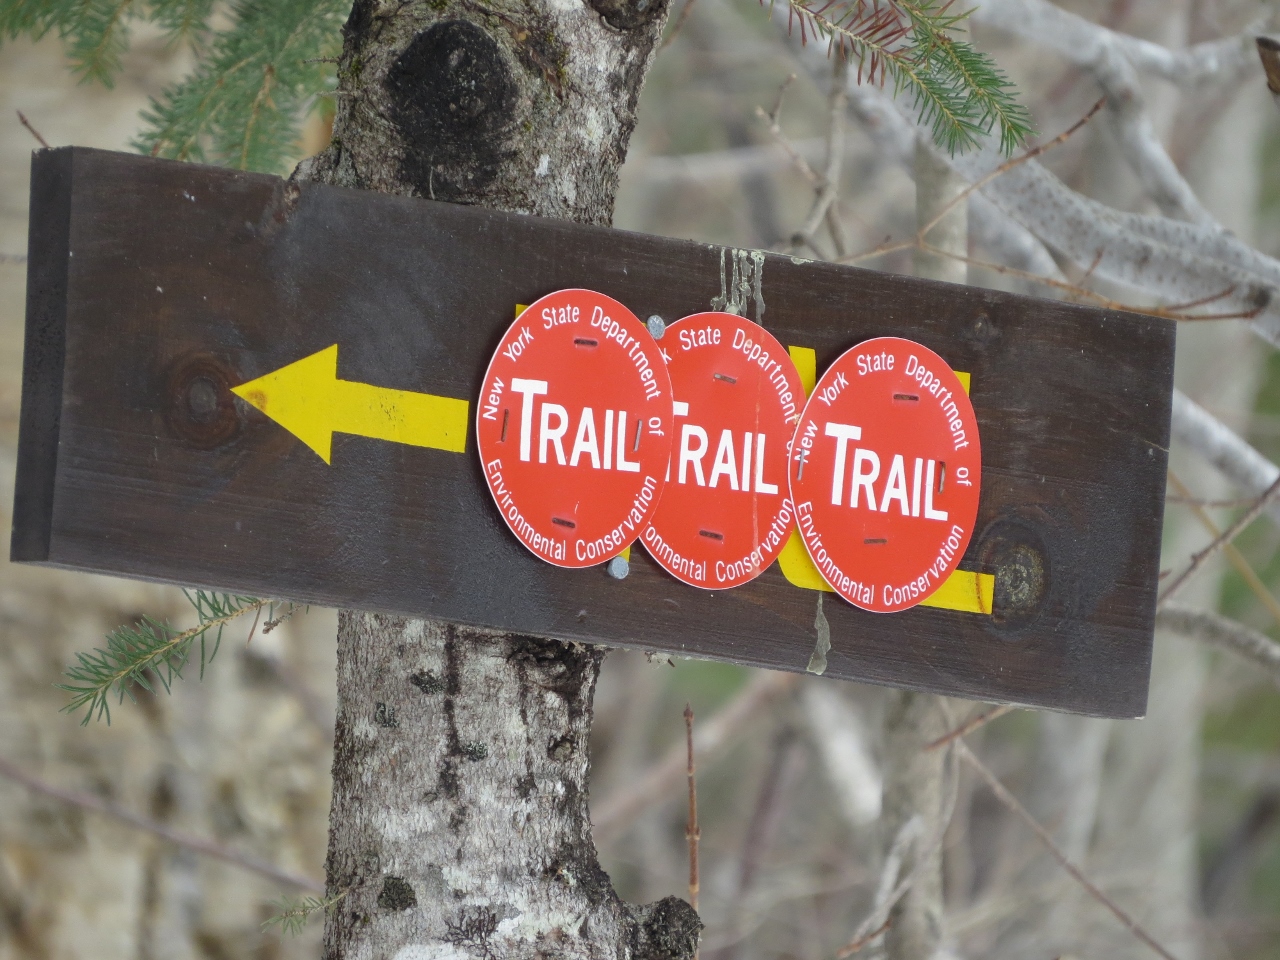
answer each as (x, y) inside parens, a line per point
(725, 512)
(574, 427)
(885, 473)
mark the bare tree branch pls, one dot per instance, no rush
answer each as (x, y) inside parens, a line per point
(675, 31)
(1223, 447)
(909, 837)
(970, 725)
(1198, 559)
(1011, 802)
(1225, 633)
(829, 185)
(733, 163)
(841, 740)
(1174, 261)
(617, 811)
(1233, 555)
(691, 832)
(1084, 42)
(208, 848)
(32, 130)
(1103, 54)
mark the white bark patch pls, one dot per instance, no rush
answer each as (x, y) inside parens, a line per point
(594, 128)
(544, 165)
(435, 951)
(410, 825)
(569, 188)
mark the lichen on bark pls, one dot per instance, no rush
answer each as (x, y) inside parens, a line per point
(459, 826)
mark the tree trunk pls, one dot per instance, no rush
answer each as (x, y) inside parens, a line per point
(913, 776)
(459, 826)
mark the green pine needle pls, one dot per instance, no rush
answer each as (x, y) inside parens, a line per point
(34, 17)
(150, 653)
(98, 37)
(957, 91)
(185, 21)
(294, 914)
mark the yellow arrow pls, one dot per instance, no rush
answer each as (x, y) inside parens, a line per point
(308, 400)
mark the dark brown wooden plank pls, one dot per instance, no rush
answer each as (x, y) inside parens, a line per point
(178, 277)
(44, 354)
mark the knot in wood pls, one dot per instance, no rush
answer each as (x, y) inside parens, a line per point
(202, 409)
(452, 96)
(666, 930)
(1016, 554)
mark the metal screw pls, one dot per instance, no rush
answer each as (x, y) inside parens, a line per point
(657, 326)
(618, 568)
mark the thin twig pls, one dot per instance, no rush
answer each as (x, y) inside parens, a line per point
(1232, 553)
(1011, 802)
(684, 15)
(1188, 501)
(828, 186)
(969, 726)
(34, 132)
(691, 831)
(775, 130)
(1198, 559)
(1009, 165)
(619, 810)
(849, 949)
(199, 844)
(1188, 304)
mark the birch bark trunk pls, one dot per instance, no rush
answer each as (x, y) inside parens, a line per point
(459, 826)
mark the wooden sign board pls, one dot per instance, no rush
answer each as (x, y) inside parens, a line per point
(155, 287)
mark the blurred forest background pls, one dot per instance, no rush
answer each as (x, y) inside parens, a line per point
(1176, 817)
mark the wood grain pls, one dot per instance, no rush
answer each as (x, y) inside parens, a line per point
(156, 286)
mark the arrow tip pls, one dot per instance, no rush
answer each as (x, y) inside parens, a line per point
(299, 398)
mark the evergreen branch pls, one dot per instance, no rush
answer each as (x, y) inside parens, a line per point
(34, 17)
(150, 653)
(957, 91)
(294, 914)
(185, 21)
(263, 98)
(987, 85)
(98, 37)
(242, 104)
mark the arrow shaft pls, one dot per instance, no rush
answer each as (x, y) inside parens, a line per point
(399, 416)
